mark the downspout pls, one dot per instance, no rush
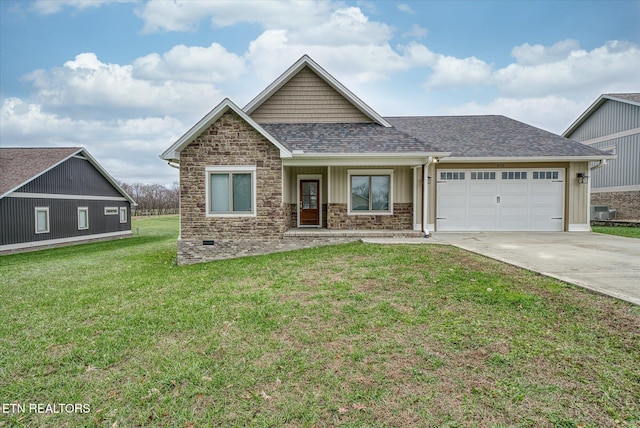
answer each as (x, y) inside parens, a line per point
(425, 195)
(603, 162)
(174, 164)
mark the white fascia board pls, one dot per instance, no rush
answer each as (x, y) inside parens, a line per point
(328, 78)
(173, 152)
(80, 149)
(359, 159)
(592, 108)
(455, 159)
(108, 176)
(80, 153)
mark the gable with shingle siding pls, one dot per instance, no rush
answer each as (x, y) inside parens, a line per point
(306, 98)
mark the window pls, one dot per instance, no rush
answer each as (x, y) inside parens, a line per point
(514, 175)
(231, 191)
(483, 175)
(42, 219)
(545, 175)
(110, 210)
(451, 175)
(370, 191)
(83, 218)
(123, 214)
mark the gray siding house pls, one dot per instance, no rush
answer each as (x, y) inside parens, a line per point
(307, 161)
(58, 196)
(612, 123)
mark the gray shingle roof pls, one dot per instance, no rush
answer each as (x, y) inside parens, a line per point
(489, 136)
(365, 138)
(633, 97)
(20, 165)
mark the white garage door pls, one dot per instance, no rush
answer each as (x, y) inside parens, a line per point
(507, 200)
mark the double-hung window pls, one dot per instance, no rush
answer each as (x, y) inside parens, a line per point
(231, 191)
(42, 219)
(83, 218)
(123, 214)
(370, 191)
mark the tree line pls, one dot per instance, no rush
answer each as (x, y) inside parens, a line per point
(153, 199)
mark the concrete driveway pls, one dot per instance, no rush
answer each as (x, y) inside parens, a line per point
(606, 264)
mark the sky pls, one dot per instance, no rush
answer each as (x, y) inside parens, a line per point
(125, 79)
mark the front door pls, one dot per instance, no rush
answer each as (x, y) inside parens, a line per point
(310, 203)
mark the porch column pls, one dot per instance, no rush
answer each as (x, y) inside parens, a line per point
(425, 198)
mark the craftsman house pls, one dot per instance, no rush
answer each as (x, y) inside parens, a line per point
(307, 161)
(58, 196)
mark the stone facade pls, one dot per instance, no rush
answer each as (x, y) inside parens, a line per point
(402, 218)
(626, 204)
(191, 251)
(229, 141)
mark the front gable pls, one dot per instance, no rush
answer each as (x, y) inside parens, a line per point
(306, 98)
(306, 93)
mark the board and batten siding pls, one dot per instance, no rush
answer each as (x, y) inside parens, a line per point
(63, 219)
(306, 98)
(623, 171)
(291, 181)
(577, 197)
(611, 117)
(75, 176)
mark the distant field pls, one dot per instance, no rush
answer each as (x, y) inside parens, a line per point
(352, 335)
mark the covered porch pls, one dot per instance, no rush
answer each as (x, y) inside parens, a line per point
(380, 197)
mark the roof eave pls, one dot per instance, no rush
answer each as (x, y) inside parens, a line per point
(172, 154)
(467, 159)
(592, 108)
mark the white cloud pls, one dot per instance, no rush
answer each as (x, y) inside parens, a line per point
(48, 7)
(127, 148)
(551, 113)
(91, 88)
(416, 32)
(406, 8)
(190, 64)
(162, 15)
(566, 69)
(450, 73)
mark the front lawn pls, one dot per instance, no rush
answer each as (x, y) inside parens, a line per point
(629, 232)
(349, 335)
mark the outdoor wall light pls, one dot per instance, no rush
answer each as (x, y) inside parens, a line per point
(582, 178)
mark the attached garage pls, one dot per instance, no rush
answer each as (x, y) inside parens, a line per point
(500, 199)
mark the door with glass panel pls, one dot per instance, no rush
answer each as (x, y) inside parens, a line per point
(309, 202)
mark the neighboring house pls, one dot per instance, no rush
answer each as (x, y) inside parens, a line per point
(58, 196)
(307, 153)
(612, 123)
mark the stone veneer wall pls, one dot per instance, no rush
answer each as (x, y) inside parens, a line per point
(229, 141)
(626, 204)
(402, 218)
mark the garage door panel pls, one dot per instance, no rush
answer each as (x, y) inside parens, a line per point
(480, 224)
(510, 200)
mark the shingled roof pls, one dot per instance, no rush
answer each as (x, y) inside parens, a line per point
(21, 165)
(361, 138)
(489, 136)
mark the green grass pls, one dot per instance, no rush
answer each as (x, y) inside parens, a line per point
(350, 335)
(629, 232)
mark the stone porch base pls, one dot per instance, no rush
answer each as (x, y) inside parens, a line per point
(195, 251)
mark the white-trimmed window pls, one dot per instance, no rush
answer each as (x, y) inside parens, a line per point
(231, 191)
(83, 218)
(123, 214)
(370, 191)
(42, 219)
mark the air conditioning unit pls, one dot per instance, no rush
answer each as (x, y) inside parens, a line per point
(602, 212)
